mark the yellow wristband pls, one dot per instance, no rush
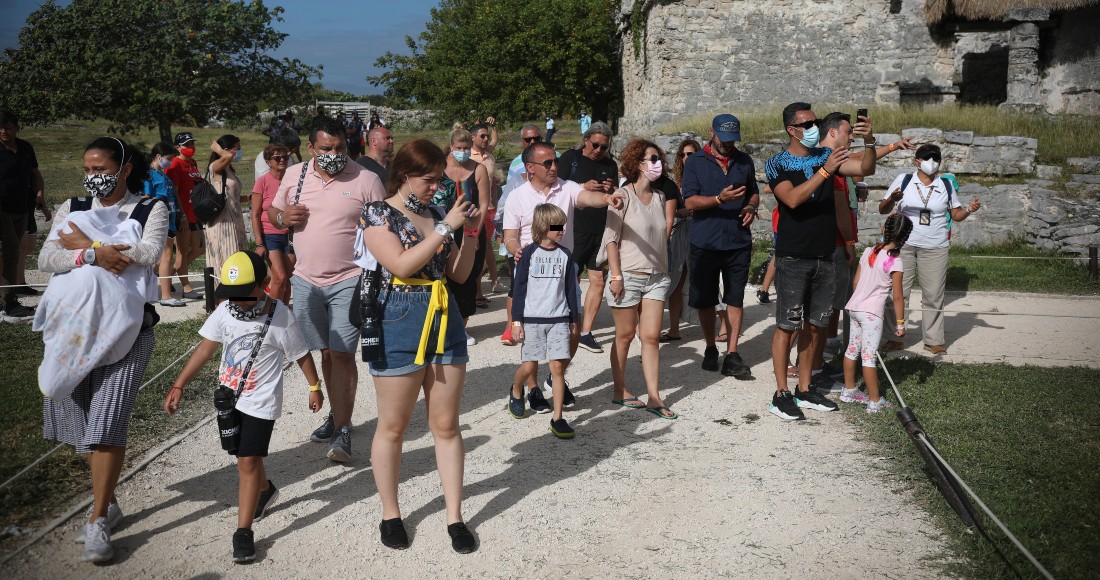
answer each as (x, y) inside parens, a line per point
(97, 244)
(315, 388)
(901, 321)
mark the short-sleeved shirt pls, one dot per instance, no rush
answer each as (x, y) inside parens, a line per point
(261, 166)
(325, 243)
(933, 235)
(874, 282)
(266, 187)
(17, 177)
(519, 212)
(375, 167)
(574, 166)
(383, 215)
(639, 230)
(184, 174)
(262, 396)
(809, 230)
(158, 185)
(719, 228)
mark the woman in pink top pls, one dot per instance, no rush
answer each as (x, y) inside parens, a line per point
(271, 241)
(878, 273)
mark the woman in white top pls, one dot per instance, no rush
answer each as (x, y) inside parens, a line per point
(636, 241)
(225, 233)
(927, 200)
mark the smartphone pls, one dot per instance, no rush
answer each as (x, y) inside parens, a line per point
(860, 113)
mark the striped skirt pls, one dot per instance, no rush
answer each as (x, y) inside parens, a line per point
(98, 411)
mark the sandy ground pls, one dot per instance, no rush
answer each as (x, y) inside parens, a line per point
(726, 490)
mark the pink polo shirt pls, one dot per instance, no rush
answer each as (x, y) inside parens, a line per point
(519, 212)
(325, 242)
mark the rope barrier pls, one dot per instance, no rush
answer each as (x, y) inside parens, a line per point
(956, 480)
(1025, 258)
(998, 313)
(60, 445)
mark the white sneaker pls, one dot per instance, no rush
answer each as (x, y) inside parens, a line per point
(114, 518)
(97, 542)
(470, 341)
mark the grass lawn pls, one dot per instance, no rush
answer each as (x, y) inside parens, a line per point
(1010, 434)
(49, 488)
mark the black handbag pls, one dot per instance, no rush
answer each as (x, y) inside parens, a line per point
(207, 203)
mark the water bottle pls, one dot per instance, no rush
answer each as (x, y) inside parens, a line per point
(229, 419)
(371, 341)
(370, 332)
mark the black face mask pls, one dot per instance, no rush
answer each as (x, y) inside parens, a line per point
(244, 314)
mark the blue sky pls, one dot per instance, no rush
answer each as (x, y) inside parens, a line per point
(346, 36)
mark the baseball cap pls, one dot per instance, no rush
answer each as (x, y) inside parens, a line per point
(726, 127)
(241, 272)
(183, 138)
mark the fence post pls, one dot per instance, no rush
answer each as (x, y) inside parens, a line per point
(208, 287)
(1093, 270)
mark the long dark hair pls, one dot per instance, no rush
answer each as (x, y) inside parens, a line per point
(678, 164)
(225, 142)
(896, 230)
(122, 153)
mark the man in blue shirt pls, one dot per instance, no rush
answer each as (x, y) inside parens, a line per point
(719, 186)
(585, 121)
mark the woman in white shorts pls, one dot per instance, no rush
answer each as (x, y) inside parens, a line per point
(636, 244)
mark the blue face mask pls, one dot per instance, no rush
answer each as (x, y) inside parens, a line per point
(810, 137)
(238, 155)
(461, 156)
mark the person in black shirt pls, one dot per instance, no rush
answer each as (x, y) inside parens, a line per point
(592, 167)
(21, 187)
(801, 176)
(379, 153)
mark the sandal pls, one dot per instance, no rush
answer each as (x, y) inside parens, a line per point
(792, 372)
(724, 337)
(666, 337)
(629, 403)
(660, 412)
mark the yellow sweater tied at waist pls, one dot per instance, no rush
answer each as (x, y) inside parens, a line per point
(437, 303)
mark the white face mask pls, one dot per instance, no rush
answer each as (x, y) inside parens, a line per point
(929, 167)
(653, 171)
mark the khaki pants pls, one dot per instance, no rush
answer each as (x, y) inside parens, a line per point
(931, 265)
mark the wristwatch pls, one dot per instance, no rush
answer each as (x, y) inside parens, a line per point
(444, 229)
(89, 256)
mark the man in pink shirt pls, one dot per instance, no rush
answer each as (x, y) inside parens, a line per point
(544, 186)
(320, 201)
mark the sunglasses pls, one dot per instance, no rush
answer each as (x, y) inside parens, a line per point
(536, 139)
(933, 156)
(687, 154)
(652, 158)
(279, 158)
(557, 228)
(547, 164)
(804, 125)
(599, 146)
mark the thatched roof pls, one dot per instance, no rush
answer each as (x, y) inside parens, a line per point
(936, 11)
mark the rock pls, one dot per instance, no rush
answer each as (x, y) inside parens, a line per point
(1048, 171)
(1090, 165)
(919, 136)
(961, 137)
(1086, 178)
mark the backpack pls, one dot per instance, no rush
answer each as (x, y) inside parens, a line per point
(950, 194)
(206, 202)
(140, 215)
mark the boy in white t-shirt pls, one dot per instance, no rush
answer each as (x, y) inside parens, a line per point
(237, 323)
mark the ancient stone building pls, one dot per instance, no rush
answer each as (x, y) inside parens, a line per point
(685, 57)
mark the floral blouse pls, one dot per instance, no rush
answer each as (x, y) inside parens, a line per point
(382, 214)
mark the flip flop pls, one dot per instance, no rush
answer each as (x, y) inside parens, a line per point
(724, 337)
(657, 411)
(792, 372)
(666, 337)
(629, 403)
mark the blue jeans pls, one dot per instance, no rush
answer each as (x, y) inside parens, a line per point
(403, 315)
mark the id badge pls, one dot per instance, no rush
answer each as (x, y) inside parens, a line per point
(925, 217)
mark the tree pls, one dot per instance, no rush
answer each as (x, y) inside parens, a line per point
(146, 63)
(511, 58)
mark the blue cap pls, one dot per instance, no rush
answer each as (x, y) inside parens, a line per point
(727, 128)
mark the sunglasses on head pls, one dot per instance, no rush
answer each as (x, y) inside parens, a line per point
(557, 228)
(599, 146)
(933, 156)
(547, 164)
(804, 125)
(535, 139)
(279, 158)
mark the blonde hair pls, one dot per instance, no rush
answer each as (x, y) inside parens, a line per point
(459, 134)
(546, 215)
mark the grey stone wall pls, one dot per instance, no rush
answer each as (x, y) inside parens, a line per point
(1071, 78)
(1067, 222)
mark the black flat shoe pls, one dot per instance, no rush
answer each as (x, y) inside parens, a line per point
(393, 534)
(461, 539)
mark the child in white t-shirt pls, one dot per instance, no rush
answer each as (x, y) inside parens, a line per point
(880, 270)
(249, 315)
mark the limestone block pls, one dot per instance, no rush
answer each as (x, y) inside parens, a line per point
(1086, 178)
(1048, 171)
(984, 141)
(1075, 231)
(960, 137)
(1090, 165)
(1012, 141)
(919, 136)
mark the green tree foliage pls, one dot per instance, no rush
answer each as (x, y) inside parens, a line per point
(145, 63)
(510, 58)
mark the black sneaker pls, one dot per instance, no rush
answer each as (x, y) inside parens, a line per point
(244, 548)
(462, 540)
(588, 342)
(762, 297)
(733, 366)
(570, 400)
(267, 498)
(784, 406)
(561, 429)
(13, 309)
(811, 399)
(537, 401)
(710, 358)
(25, 290)
(825, 383)
(324, 433)
(834, 367)
(393, 534)
(516, 405)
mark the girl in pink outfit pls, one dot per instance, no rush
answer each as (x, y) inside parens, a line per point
(880, 271)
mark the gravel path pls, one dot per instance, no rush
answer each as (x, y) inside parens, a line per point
(726, 490)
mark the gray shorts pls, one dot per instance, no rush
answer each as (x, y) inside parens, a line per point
(545, 342)
(639, 286)
(842, 278)
(322, 314)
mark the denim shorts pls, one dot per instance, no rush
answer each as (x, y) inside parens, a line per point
(804, 289)
(322, 314)
(403, 315)
(639, 286)
(278, 243)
